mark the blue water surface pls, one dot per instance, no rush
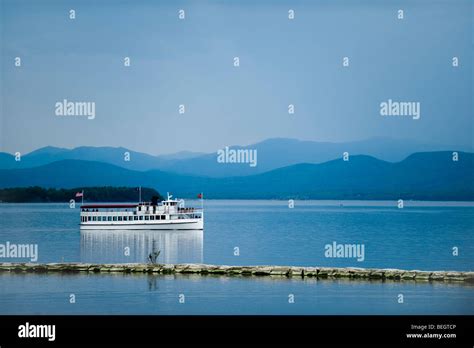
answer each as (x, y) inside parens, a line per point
(419, 236)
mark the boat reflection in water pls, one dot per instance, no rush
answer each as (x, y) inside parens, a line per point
(119, 246)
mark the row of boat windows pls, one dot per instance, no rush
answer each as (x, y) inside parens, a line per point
(122, 218)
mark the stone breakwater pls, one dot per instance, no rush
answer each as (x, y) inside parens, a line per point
(276, 271)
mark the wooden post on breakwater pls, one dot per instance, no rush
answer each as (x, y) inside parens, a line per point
(277, 271)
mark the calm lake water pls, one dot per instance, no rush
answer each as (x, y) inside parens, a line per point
(419, 236)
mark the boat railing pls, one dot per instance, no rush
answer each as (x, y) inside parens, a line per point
(179, 216)
(111, 212)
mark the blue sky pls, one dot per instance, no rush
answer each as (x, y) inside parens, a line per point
(190, 62)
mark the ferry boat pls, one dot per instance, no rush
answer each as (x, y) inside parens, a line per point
(170, 214)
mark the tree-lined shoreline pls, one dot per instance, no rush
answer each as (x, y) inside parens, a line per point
(37, 194)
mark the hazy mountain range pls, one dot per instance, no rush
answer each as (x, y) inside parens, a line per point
(271, 154)
(424, 176)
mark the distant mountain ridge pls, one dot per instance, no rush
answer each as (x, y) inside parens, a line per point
(271, 154)
(423, 176)
(111, 155)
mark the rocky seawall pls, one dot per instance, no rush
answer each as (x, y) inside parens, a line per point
(276, 271)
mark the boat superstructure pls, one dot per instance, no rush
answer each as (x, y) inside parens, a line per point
(170, 214)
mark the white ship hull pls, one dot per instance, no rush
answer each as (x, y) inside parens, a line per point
(193, 224)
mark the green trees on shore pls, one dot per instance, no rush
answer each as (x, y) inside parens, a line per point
(36, 194)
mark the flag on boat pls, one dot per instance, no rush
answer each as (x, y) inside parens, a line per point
(200, 195)
(80, 194)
